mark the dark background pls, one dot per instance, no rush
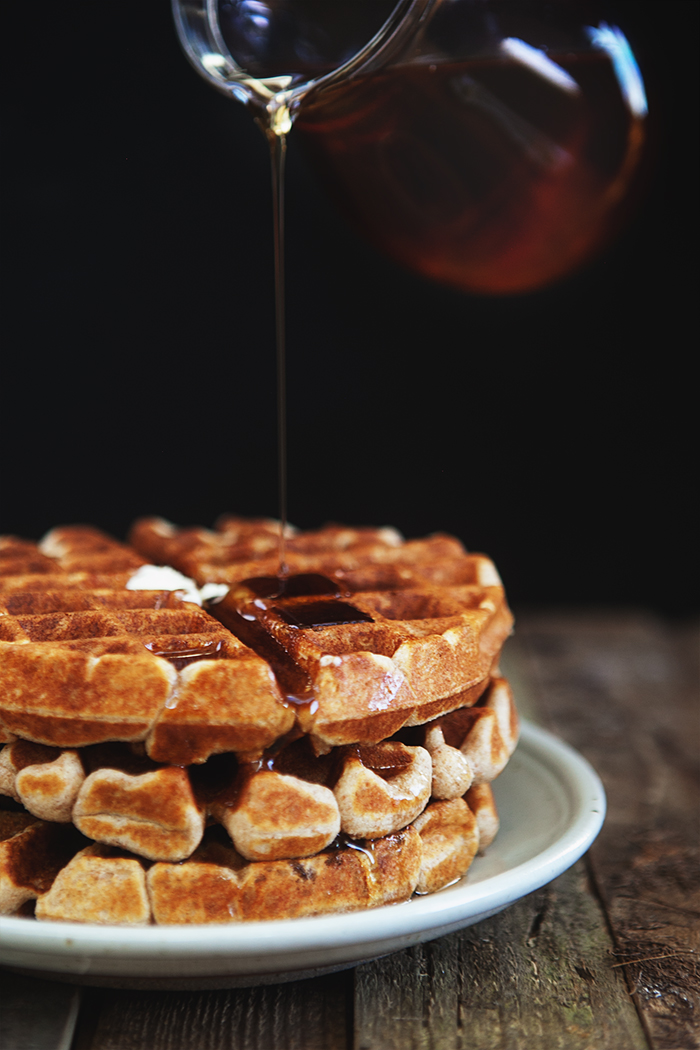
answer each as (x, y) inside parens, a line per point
(552, 430)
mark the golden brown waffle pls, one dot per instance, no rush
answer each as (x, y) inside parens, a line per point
(281, 707)
(45, 780)
(65, 550)
(20, 557)
(106, 885)
(82, 548)
(288, 804)
(366, 634)
(32, 853)
(69, 557)
(273, 867)
(99, 885)
(362, 558)
(78, 667)
(481, 802)
(470, 745)
(163, 543)
(449, 834)
(154, 814)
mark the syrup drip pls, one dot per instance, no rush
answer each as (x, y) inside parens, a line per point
(58, 844)
(364, 846)
(297, 759)
(114, 754)
(183, 657)
(244, 620)
(292, 680)
(322, 614)
(386, 761)
(26, 753)
(299, 585)
(222, 780)
(277, 141)
(307, 614)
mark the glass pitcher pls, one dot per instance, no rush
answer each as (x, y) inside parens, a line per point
(487, 144)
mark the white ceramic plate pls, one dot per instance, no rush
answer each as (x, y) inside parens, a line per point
(551, 805)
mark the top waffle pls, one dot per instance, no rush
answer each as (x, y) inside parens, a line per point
(84, 660)
(363, 559)
(80, 667)
(366, 634)
(68, 557)
(356, 692)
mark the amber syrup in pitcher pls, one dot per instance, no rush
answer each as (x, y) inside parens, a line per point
(481, 174)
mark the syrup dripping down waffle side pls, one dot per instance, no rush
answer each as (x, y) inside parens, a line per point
(187, 689)
(366, 633)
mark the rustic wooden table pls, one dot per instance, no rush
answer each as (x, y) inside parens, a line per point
(606, 956)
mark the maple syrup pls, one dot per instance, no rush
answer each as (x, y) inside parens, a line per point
(27, 753)
(115, 754)
(481, 174)
(298, 585)
(386, 761)
(182, 657)
(365, 846)
(277, 142)
(298, 759)
(42, 857)
(322, 614)
(222, 780)
(330, 611)
(293, 681)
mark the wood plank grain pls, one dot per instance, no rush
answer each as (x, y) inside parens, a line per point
(36, 1014)
(537, 975)
(624, 692)
(307, 1015)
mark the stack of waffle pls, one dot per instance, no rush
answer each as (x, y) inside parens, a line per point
(316, 742)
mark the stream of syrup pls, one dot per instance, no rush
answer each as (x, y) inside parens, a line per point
(482, 173)
(277, 141)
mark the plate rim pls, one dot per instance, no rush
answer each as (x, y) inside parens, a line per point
(461, 904)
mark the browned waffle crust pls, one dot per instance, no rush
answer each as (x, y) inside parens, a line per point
(367, 635)
(69, 558)
(401, 631)
(80, 667)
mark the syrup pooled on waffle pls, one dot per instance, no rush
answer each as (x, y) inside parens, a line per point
(366, 633)
(167, 766)
(81, 664)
